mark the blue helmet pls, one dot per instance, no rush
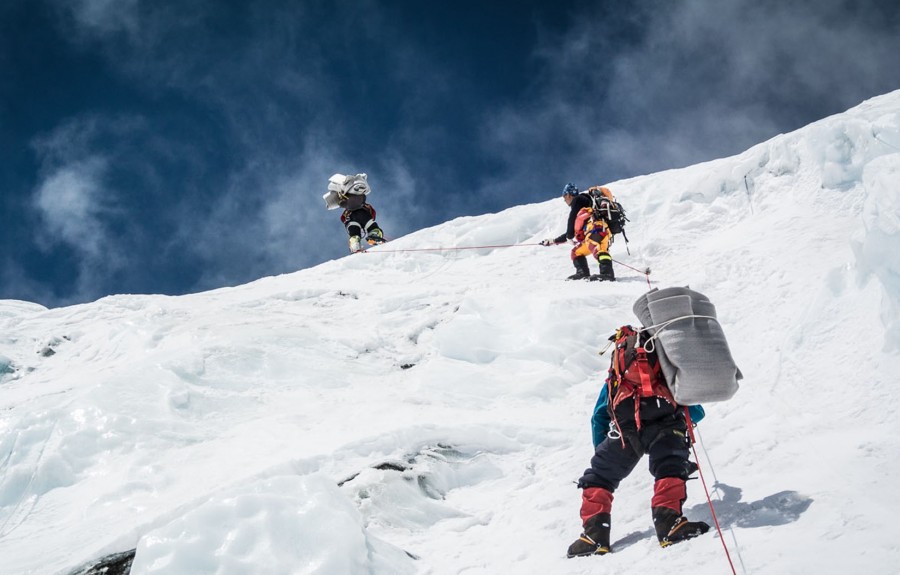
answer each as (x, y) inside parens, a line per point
(570, 190)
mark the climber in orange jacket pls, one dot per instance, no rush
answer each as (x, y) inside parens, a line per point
(591, 236)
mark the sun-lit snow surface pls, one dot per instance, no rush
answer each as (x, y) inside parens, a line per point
(427, 412)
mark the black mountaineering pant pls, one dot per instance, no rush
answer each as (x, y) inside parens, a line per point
(663, 437)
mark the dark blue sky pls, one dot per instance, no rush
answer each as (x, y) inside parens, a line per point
(159, 146)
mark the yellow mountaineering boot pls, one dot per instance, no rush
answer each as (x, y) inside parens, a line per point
(672, 527)
(594, 540)
(375, 237)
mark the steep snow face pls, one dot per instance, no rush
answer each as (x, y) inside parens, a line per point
(413, 410)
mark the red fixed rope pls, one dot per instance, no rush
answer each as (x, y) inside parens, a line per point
(382, 251)
(687, 418)
(645, 271)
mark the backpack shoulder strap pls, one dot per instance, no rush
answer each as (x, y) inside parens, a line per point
(629, 349)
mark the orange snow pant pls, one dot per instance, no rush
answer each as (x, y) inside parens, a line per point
(595, 242)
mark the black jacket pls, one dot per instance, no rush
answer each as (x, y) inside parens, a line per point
(580, 201)
(353, 202)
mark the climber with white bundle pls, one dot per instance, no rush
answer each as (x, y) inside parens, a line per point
(351, 193)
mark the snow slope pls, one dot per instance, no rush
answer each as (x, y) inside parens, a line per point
(406, 411)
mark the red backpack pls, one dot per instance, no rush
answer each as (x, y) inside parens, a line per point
(634, 372)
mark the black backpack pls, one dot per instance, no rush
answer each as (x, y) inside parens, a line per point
(607, 209)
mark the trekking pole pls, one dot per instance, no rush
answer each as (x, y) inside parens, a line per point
(645, 271)
(690, 426)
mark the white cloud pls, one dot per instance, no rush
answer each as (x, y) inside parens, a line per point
(102, 17)
(69, 201)
(75, 198)
(694, 81)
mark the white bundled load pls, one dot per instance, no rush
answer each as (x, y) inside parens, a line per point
(688, 339)
(341, 186)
